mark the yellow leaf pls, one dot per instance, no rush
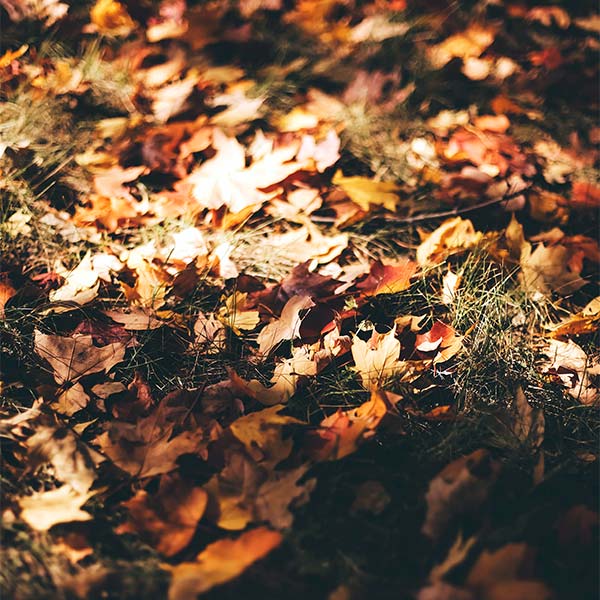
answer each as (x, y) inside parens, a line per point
(220, 561)
(366, 192)
(111, 18)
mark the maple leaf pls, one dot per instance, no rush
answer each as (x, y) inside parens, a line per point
(548, 269)
(150, 288)
(42, 510)
(219, 562)
(284, 382)
(235, 314)
(377, 358)
(387, 278)
(111, 18)
(261, 433)
(169, 518)
(441, 339)
(73, 462)
(147, 446)
(457, 489)
(143, 451)
(224, 180)
(340, 434)
(74, 357)
(281, 492)
(367, 192)
(571, 366)
(451, 236)
(80, 285)
(470, 43)
(287, 327)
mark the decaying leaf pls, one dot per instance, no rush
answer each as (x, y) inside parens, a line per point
(287, 327)
(261, 432)
(571, 366)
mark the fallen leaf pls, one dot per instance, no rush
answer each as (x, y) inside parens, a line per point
(280, 493)
(387, 278)
(377, 358)
(73, 462)
(220, 562)
(42, 510)
(547, 269)
(461, 487)
(441, 340)
(261, 433)
(451, 236)
(7, 291)
(286, 327)
(341, 433)
(470, 43)
(169, 518)
(584, 322)
(571, 366)
(367, 192)
(111, 18)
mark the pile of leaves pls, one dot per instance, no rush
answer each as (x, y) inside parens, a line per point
(299, 297)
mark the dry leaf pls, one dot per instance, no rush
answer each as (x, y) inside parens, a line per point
(111, 18)
(367, 192)
(219, 562)
(462, 486)
(261, 433)
(450, 237)
(548, 269)
(340, 434)
(42, 510)
(169, 518)
(377, 358)
(571, 366)
(287, 327)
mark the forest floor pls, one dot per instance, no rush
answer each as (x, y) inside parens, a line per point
(299, 298)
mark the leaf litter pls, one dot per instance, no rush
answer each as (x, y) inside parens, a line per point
(280, 326)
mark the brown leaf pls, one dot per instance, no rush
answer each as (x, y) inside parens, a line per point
(168, 519)
(74, 357)
(281, 492)
(221, 561)
(462, 486)
(450, 237)
(261, 433)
